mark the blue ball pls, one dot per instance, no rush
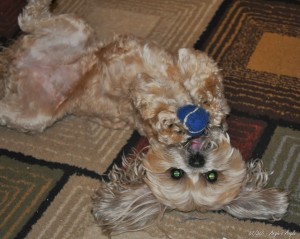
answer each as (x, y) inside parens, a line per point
(195, 119)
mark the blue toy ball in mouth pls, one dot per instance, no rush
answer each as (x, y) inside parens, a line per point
(194, 119)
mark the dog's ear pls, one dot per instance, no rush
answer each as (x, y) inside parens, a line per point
(125, 202)
(256, 202)
(268, 204)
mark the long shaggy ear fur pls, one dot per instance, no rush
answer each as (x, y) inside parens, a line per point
(256, 202)
(125, 203)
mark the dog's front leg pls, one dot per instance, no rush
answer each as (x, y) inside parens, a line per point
(17, 114)
(203, 80)
(156, 102)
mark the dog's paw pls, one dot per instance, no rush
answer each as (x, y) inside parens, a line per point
(169, 128)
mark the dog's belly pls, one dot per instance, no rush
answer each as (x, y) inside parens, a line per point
(47, 74)
(48, 64)
(44, 83)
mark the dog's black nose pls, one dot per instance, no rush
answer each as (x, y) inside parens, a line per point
(196, 160)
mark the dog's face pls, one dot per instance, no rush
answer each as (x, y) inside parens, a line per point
(205, 174)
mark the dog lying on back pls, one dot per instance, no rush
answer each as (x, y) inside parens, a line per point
(58, 68)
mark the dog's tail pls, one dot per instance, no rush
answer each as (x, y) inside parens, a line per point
(34, 12)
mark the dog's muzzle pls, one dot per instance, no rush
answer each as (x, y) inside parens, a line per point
(196, 160)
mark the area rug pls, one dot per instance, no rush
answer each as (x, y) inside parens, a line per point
(46, 180)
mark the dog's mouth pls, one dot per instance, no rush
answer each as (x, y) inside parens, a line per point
(206, 142)
(199, 144)
(202, 144)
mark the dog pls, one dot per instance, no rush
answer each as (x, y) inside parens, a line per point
(58, 68)
(207, 174)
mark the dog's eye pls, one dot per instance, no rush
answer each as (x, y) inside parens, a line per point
(177, 173)
(212, 176)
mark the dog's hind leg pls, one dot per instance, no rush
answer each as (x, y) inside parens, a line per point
(41, 70)
(34, 11)
(16, 113)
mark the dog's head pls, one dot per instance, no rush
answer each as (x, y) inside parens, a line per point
(206, 174)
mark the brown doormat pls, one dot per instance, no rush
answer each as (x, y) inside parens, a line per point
(9, 11)
(47, 194)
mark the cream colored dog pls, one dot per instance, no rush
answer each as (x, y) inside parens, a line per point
(58, 68)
